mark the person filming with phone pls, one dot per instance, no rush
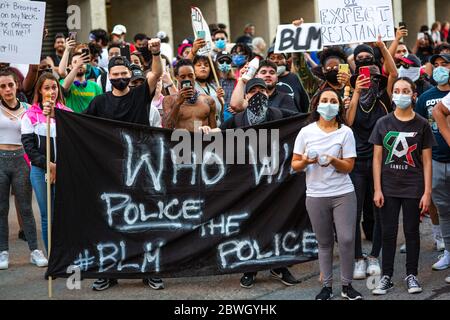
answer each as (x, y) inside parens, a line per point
(189, 106)
(370, 102)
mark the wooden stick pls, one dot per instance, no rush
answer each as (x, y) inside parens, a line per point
(222, 102)
(49, 202)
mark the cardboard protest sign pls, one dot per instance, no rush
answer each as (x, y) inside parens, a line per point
(306, 37)
(354, 21)
(21, 30)
(201, 30)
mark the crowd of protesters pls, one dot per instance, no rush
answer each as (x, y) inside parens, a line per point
(376, 142)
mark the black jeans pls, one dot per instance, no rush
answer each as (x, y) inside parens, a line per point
(362, 178)
(390, 213)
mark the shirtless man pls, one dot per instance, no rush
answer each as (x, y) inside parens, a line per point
(188, 106)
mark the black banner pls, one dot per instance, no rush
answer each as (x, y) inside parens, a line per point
(125, 207)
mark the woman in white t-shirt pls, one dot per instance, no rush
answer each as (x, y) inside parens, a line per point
(325, 150)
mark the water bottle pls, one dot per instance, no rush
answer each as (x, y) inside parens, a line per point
(252, 68)
(312, 154)
(324, 160)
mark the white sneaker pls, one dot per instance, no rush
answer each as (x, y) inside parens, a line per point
(440, 245)
(443, 263)
(4, 260)
(38, 258)
(403, 248)
(359, 272)
(373, 267)
(447, 279)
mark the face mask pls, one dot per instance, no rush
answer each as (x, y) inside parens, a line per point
(402, 101)
(331, 76)
(281, 70)
(328, 110)
(224, 67)
(239, 60)
(221, 44)
(120, 83)
(412, 73)
(257, 108)
(441, 75)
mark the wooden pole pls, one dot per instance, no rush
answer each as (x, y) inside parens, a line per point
(49, 199)
(222, 102)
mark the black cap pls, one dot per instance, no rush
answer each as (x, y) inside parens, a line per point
(272, 50)
(223, 55)
(118, 61)
(444, 56)
(137, 74)
(255, 82)
(363, 48)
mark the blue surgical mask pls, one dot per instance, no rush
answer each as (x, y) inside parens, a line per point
(328, 110)
(221, 44)
(441, 75)
(224, 67)
(402, 101)
(239, 60)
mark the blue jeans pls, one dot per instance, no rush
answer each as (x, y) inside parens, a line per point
(37, 176)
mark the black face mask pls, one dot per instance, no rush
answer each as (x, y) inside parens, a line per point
(331, 76)
(120, 83)
(364, 62)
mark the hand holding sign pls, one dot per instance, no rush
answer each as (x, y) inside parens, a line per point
(299, 37)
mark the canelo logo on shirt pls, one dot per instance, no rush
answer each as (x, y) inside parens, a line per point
(391, 142)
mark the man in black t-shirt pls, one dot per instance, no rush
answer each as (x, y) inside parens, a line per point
(128, 105)
(289, 82)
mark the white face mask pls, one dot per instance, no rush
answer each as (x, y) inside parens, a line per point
(412, 73)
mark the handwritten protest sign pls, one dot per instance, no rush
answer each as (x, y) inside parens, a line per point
(290, 38)
(21, 29)
(201, 30)
(353, 21)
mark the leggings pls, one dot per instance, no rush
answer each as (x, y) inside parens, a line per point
(342, 211)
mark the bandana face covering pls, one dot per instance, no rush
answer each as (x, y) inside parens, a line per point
(368, 96)
(194, 98)
(257, 108)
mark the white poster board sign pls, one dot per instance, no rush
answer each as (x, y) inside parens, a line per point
(21, 30)
(200, 27)
(354, 21)
(306, 37)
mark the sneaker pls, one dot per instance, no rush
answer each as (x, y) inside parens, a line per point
(284, 276)
(443, 263)
(373, 267)
(38, 258)
(349, 293)
(154, 283)
(21, 235)
(103, 284)
(403, 248)
(447, 279)
(413, 284)
(325, 294)
(247, 280)
(383, 286)
(439, 244)
(4, 260)
(359, 272)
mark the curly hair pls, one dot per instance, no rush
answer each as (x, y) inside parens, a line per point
(332, 52)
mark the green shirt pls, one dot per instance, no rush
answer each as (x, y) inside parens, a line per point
(78, 98)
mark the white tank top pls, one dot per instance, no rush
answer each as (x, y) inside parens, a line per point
(10, 127)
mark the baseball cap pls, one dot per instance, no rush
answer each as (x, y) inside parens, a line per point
(412, 60)
(223, 55)
(272, 50)
(118, 61)
(444, 56)
(255, 82)
(119, 29)
(137, 74)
